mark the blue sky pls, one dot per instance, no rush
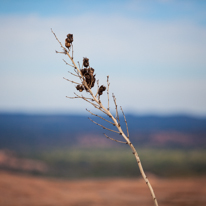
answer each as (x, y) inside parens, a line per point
(153, 51)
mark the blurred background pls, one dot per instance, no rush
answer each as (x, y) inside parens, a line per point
(154, 54)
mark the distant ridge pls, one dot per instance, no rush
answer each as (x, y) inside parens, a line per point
(32, 131)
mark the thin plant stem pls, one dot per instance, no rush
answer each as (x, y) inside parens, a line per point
(116, 121)
(108, 91)
(100, 117)
(114, 139)
(103, 126)
(125, 122)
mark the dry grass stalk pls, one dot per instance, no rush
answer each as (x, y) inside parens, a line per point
(87, 81)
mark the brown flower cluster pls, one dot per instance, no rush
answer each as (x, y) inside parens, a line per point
(69, 40)
(88, 74)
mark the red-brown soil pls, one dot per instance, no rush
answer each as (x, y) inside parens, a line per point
(19, 190)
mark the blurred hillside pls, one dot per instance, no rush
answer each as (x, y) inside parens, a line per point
(32, 132)
(72, 146)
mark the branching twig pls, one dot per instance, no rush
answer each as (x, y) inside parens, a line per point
(117, 114)
(95, 105)
(71, 81)
(85, 81)
(68, 64)
(73, 74)
(78, 64)
(108, 91)
(59, 42)
(60, 52)
(103, 126)
(86, 99)
(97, 90)
(73, 97)
(115, 139)
(72, 52)
(125, 122)
(77, 74)
(100, 117)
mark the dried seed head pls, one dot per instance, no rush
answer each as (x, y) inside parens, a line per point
(93, 81)
(90, 79)
(69, 38)
(89, 76)
(67, 44)
(91, 70)
(79, 87)
(101, 89)
(84, 71)
(86, 62)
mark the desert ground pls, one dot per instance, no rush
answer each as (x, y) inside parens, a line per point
(24, 190)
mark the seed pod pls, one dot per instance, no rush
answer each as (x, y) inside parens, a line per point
(86, 62)
(69, 38)
(93, 81)
(67, 44)
(89, 76)
(101, 89)
(84, 71)
(79, 87)
(91, 70)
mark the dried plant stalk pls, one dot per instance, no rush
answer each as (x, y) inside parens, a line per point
(87, 79)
